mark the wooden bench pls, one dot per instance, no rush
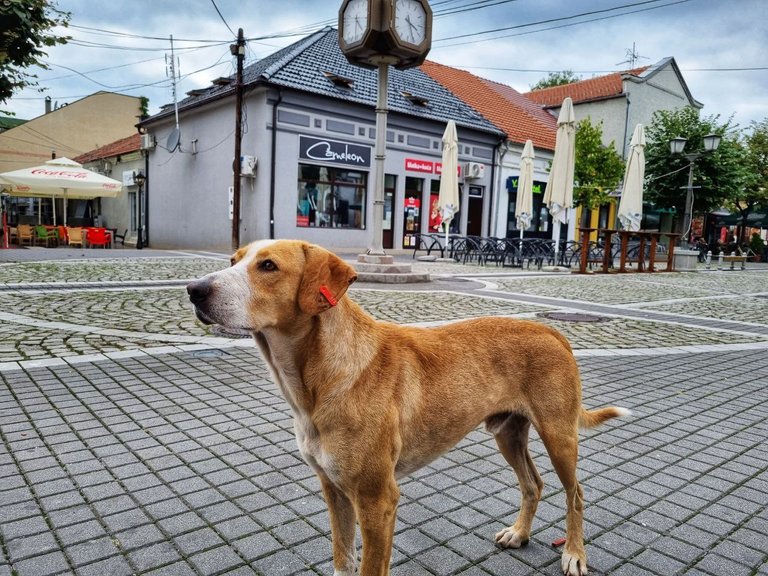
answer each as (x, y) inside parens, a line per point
(732, 258)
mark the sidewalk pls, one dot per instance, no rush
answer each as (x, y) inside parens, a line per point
(135, 441)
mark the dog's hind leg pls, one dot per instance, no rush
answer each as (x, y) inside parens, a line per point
(561, 443)
(342, 515)
(512, 438)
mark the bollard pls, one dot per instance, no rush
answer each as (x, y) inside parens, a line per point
(720, 260)
(709, 259)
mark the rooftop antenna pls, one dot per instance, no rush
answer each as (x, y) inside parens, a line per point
(172, 71)
(632, 57)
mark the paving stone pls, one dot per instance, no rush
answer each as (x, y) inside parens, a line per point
(216, 559)
(42, 565)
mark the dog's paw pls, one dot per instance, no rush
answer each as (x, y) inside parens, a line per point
(574, 564)
(352, 572)
(511, 538)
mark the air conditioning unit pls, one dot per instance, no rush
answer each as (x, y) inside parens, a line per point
(248, 166)
(474, 170)
(147, 141)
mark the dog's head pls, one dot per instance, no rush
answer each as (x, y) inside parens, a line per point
(270, 283)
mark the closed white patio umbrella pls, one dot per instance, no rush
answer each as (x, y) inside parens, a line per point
(524, 204)
(448, 198)
(559, 193)
(631, 204)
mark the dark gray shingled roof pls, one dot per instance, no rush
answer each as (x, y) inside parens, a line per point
(301, 67)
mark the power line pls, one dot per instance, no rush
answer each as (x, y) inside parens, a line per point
(524, 70)
(222, 17)
(560, 19)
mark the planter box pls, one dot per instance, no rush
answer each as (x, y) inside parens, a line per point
(685, 260)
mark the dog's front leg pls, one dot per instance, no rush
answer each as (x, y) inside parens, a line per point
(342, 515)
(376, 510)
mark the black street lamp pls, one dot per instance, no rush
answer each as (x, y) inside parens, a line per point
(139, 179)
(676, 146)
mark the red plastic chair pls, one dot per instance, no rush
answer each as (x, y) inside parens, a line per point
(99, 237)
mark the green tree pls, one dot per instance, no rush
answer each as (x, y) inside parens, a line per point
(25, 30)
(556, 79)
(598, 169)
(754, 196)
(717, 176)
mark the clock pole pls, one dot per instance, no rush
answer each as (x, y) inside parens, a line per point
(382, 62)
(379, 34)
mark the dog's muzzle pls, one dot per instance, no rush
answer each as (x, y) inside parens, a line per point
(199, 291)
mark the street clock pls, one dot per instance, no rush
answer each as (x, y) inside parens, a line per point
(399, 31)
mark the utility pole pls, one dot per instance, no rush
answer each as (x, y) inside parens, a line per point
(237, 50)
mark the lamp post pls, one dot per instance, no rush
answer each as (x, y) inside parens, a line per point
(676, 146)
(139, 179)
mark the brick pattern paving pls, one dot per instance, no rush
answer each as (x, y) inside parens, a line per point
(187, 464)
(174, 462)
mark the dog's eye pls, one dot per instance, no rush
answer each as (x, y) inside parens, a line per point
(267, 266)
(232, 262)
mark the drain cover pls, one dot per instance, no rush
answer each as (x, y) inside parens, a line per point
(230, 332)
(572, 317)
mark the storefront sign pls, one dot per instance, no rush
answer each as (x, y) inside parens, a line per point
(439, 169)
(334, 152)
(416, 165)
(538, 187)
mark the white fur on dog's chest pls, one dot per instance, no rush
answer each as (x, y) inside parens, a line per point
(311, 448)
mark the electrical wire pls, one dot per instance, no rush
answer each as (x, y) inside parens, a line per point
(560, 19)
(222, 18)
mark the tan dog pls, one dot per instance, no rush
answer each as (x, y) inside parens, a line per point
(374, 401)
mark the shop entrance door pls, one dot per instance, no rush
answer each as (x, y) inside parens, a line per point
(388, 233)
(414, 188)
(475, 211)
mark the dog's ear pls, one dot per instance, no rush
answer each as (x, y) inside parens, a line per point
(326, 279)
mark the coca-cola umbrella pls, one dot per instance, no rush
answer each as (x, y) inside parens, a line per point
(60, 178)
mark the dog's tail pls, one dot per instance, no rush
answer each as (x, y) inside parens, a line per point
(592, 418)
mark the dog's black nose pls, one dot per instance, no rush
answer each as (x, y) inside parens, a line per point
(199, 290)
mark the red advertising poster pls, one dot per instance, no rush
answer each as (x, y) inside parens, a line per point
(435, 219)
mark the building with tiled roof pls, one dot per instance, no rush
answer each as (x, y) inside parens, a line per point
(621, 100)
(307, 154)
(114, 149)
(503, 105)
(598, 88)
(120, 160)
(522, 120)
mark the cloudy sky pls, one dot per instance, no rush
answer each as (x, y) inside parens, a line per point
(721, 46)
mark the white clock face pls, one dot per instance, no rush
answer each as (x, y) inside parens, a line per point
(410, 21)
(355, 21)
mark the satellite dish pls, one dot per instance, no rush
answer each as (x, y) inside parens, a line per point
(173, 140)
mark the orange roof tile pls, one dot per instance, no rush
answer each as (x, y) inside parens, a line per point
(520, 118)
(122, 146)
(584, 90)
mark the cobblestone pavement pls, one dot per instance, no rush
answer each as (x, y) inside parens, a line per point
(136, 441)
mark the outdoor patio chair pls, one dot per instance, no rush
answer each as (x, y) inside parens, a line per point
(99, 237)
(120, 237)
(43, 234)
(75, 237)
(25, 233)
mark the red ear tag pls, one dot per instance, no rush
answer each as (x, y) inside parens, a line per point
(327, 295)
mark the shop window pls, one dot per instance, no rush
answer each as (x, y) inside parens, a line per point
(331, 198)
